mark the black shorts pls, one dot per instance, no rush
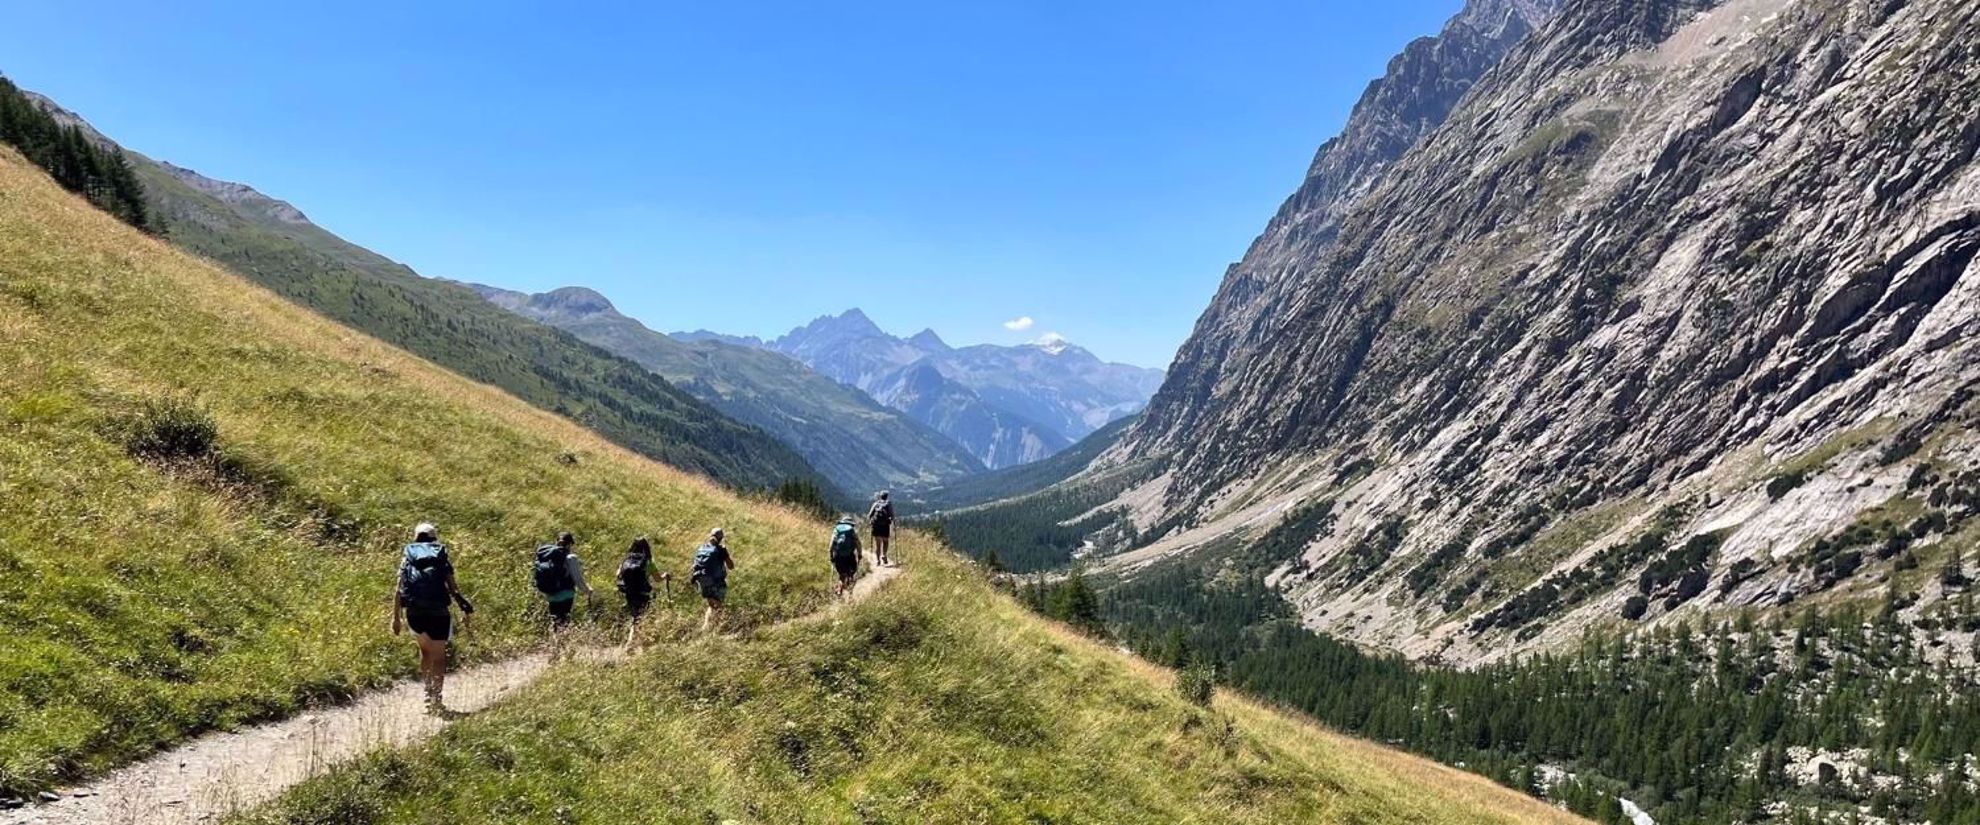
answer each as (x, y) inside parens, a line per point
(847, 567)
(560, 612)
(435, 625)
(883, 529)
(636, 603)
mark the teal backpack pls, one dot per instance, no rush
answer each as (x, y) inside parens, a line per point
(845, 542)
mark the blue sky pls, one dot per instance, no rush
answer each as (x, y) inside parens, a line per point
(747, 166)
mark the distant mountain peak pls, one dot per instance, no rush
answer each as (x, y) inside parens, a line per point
(1053, 343)
(574, 300)
(852, 320)
(928, 340)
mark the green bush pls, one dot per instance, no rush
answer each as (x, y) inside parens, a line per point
(171, 428)
(1197, 683)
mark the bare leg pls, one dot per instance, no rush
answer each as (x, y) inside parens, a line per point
(433, 670)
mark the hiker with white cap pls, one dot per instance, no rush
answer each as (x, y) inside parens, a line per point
(426, 584)
(710, 572)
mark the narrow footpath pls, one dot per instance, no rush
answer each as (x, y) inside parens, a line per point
(207, 778)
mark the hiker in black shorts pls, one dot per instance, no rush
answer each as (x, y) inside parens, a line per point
(560, 577)
(845, 553)
(710, 572)
(881, 518)
(636, 577)
(420, 601)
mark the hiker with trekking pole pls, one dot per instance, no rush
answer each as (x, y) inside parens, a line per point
(880, 519)
(420, 601)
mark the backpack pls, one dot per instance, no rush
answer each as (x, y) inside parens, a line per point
(553, 573)
(632, 574)
(707, 566)
(423, 576)
(845, 543)
(883, 512)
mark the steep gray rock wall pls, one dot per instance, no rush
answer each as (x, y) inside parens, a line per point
(1662, 254)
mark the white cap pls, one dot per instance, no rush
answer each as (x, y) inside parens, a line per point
(715, 533)
(425, 528)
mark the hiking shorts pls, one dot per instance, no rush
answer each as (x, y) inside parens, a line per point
(847, 567)
(560, 611)
(636, 603)
(435, 625)
(883, 529)
(712, 589)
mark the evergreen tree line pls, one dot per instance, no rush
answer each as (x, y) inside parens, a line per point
(1694, 722)
(100, 173)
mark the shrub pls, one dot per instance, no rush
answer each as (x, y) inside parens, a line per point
(1785, 483)
(1635, 607)
(1197, 684)
(1901, 448)
(171, 428)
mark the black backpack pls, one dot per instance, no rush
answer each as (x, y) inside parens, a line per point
(633, 577)
(553, 572)
(423, 576)
(883, 513)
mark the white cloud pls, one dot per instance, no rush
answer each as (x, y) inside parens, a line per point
(1019, 324)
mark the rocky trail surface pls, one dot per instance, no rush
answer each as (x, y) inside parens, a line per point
(208, 778)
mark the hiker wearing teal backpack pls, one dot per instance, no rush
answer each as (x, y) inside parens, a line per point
(845, 553)
(559, 577)
(710, 572)
(420, 601)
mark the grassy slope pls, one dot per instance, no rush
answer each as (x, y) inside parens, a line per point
(937, 700)
(451, 326)
(141, 603)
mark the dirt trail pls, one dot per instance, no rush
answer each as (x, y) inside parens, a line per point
(207, 778)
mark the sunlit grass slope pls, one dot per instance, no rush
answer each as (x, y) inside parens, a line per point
(937, 700)
(144, 600)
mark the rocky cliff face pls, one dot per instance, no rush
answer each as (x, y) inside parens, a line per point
(1675, 308)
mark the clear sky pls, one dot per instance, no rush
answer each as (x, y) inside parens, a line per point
(747, 166)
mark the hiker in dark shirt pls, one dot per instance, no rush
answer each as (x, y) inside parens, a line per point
(845, 554)
(420, 601)
(712, 564)
(880, 517)
(636, 582)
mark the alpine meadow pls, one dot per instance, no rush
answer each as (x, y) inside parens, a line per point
(1437, 411)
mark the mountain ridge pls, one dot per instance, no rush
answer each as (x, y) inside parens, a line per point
(857, 443)
(1004, 405)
